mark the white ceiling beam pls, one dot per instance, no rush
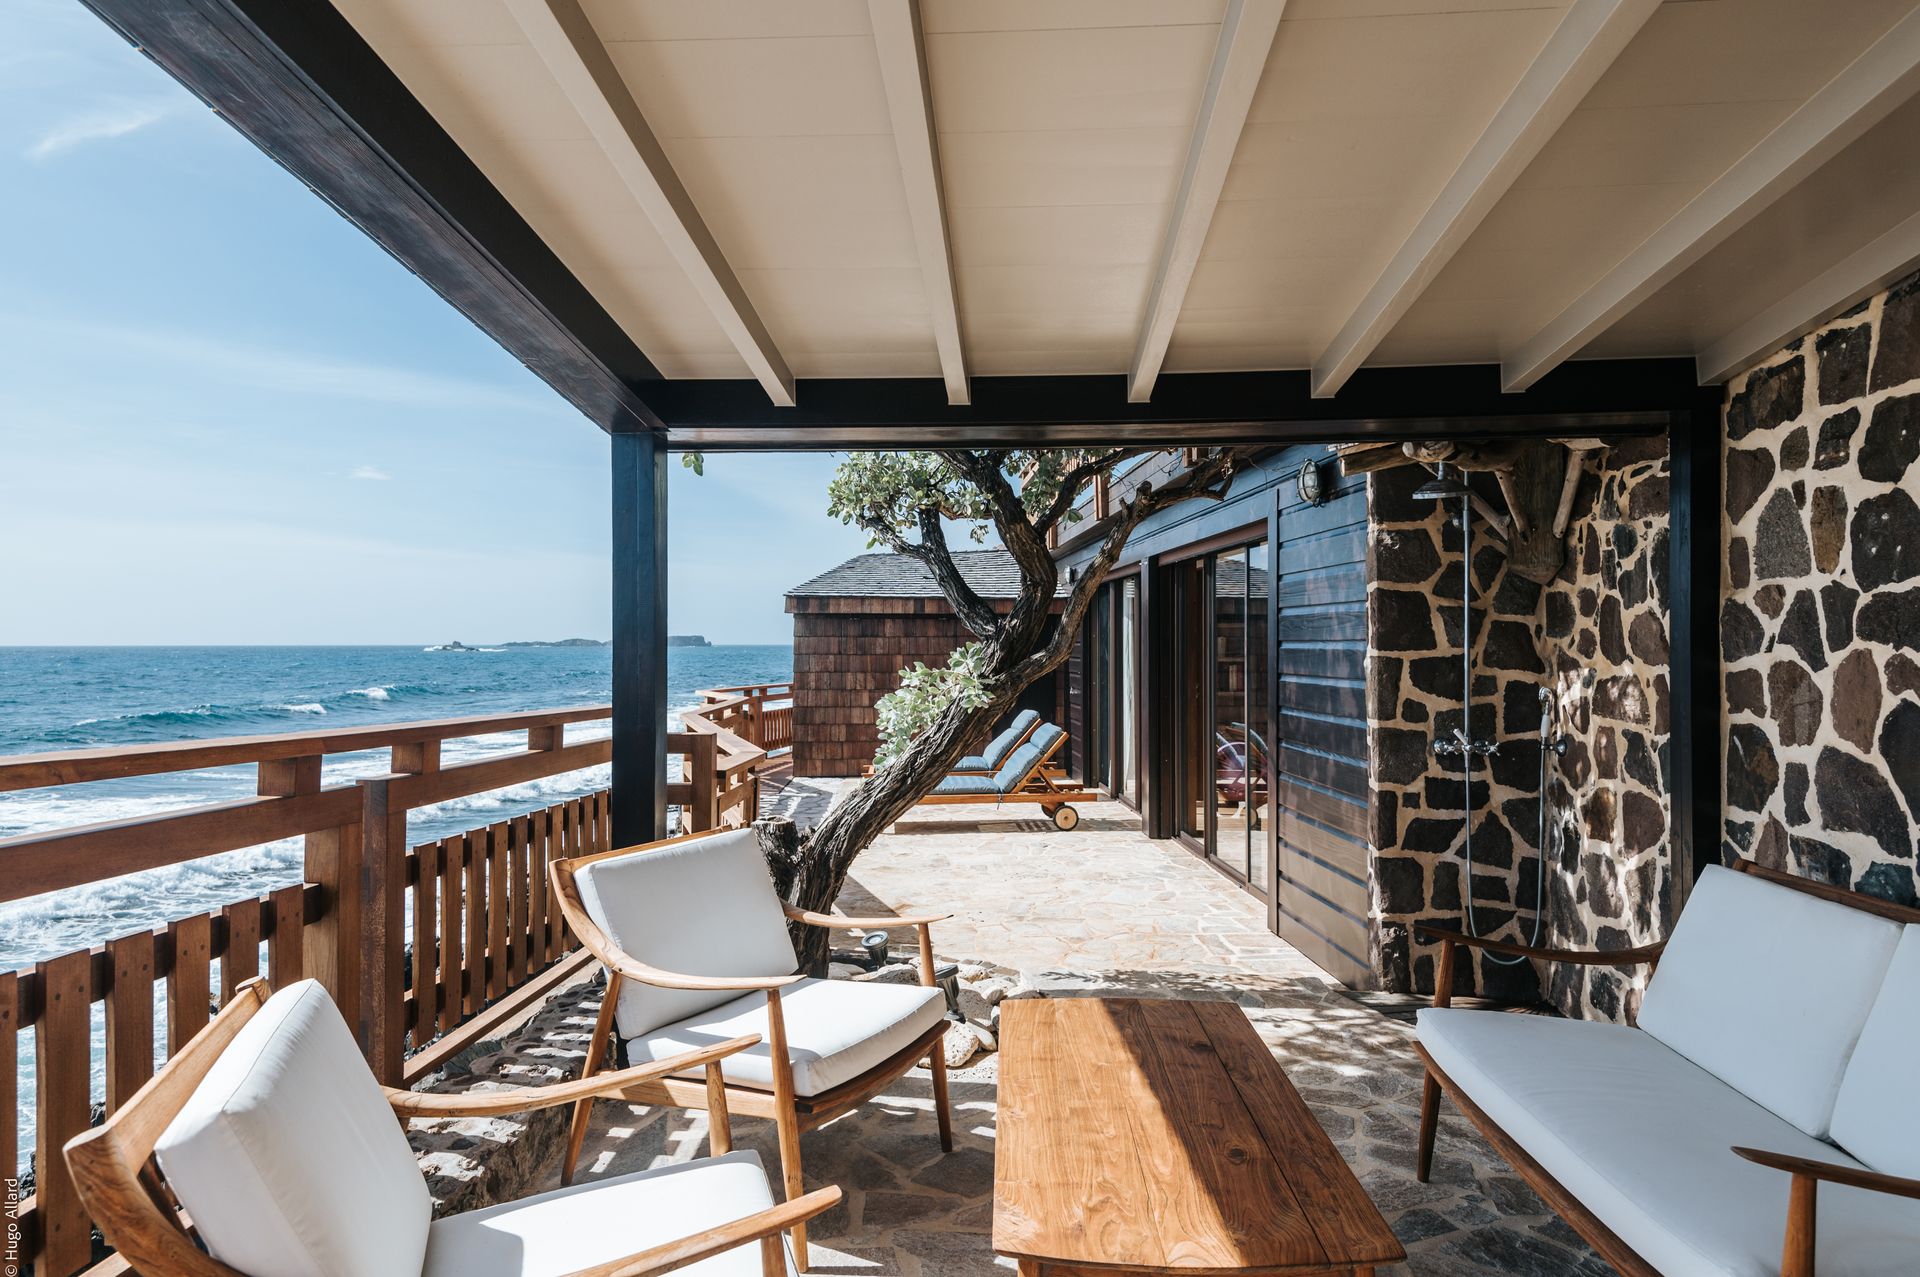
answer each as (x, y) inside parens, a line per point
(1862, 95)
(1853, 279)
(902, 46)
(565, 40)
(1574, 58)
(1239, 58)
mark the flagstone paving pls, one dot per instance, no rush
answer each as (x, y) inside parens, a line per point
(1104, 910)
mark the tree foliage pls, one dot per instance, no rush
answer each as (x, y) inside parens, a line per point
(925, 693)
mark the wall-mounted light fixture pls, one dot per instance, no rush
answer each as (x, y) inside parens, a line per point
(1311, 483)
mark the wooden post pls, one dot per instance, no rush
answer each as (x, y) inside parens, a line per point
(1693, 618)
(381, 1021)
(330, 948)
(639, 638)
(703, 812)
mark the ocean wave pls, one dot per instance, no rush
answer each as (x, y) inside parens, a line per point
(374, 693)
(305, 707)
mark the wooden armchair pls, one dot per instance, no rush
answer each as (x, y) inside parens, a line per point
(697, 950)
(284, 1155)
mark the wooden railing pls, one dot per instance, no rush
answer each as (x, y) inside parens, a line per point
(724, 747)
(480, 944)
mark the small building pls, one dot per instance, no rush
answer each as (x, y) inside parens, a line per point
(855, 627)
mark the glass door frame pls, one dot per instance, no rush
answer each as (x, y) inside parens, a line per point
(1106, 750)
(1177, 565)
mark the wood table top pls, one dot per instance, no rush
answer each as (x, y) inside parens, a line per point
(1163, 1136)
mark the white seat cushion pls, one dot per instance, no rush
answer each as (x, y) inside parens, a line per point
(1767, 988)
(1642, 1138)
(836, 1030)
(705, 906)
(290, 1160)
(574, 1228)
(1877, 1117)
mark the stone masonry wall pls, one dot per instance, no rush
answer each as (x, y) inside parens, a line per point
(1605, 638)
(1820, 625)
(1597, 637)
(1413, 695)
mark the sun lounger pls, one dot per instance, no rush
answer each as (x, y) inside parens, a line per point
(994, 756)
(1024, 778)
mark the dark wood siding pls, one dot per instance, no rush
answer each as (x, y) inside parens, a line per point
(1320, 792)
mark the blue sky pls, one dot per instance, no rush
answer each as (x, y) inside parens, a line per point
(228, 417)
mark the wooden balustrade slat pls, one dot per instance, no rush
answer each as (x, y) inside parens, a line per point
(473, 980)
(539, 830)
(63, 1032)
(10, 1025)
(497, 903)
(129, 1016)
(560, 849)
(287, 943)
(189, 984)
(241, 960)
(426, 944)
(447, 863)
(517, 905)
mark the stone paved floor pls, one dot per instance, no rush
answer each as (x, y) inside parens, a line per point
(1105, 910)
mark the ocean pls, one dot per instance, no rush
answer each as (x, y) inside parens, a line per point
(80, 698)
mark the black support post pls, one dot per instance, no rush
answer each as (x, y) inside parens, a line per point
(639, 799)
(1694, 589)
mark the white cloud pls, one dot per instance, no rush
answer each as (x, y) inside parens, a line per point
(98, 126)
(234, 362)
(371, 472)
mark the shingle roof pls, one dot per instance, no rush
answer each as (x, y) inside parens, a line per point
(992, 573)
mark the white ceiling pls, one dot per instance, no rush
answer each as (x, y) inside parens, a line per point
(1061, 130)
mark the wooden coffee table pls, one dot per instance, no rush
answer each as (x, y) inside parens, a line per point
(1161, 1137)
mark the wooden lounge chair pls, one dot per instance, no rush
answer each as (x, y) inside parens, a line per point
(989, 760)
(697, 950)
(1026, 777)
(287, 1157)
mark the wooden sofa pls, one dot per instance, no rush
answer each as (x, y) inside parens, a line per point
(1777, 1052)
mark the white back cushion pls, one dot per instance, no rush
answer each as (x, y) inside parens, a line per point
(1767, 988)
(289, 1159)
(701, 907)
(1876, 1117)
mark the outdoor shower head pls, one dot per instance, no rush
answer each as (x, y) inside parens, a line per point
(1442, 487)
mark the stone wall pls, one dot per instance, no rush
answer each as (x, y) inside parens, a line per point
(1820, 626)
(1597, 637)
(1413, 695)
(1605, 639)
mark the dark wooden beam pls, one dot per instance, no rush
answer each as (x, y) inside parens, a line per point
(1605, 397)
(297, 80)
(639, 788)
(1693, 617)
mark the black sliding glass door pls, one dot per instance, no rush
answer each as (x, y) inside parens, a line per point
(1221, 733)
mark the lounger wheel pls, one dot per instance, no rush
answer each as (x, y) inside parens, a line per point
(1064, 816)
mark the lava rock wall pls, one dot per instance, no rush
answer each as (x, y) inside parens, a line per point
(1820, 624)
(1596, 637)
(1606, 641)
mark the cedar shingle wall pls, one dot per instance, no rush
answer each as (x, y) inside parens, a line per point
(845, 661)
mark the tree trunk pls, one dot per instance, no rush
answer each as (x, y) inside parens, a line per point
(819, 867)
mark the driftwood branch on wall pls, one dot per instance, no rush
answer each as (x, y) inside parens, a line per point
(1537, 478)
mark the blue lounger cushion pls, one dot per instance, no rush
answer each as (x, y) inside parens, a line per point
(1012, 772)
(966, 785)
(1000, 746)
